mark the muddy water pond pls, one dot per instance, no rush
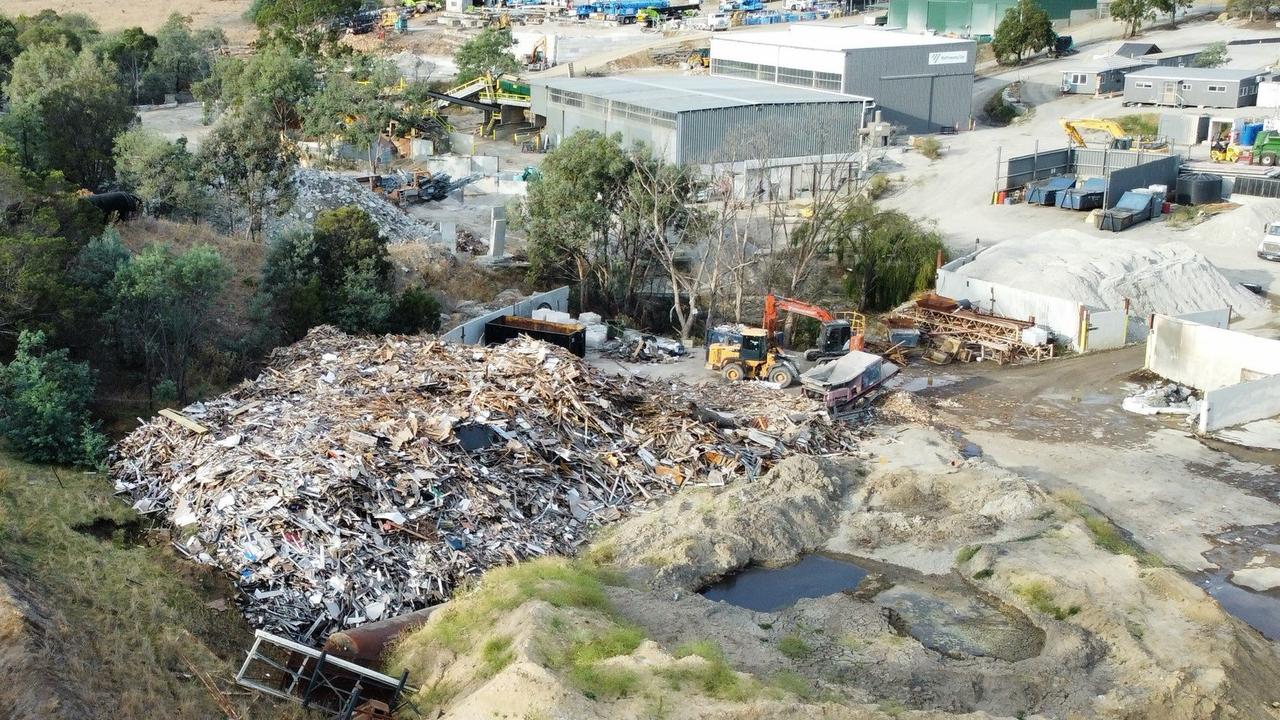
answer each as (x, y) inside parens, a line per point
(944, 613)
(769, 589)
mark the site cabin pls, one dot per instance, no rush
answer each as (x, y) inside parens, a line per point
(1099, 76)
(1193, 87)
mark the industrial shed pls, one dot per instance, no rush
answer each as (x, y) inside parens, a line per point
(1193, 87)
(700, 120)
(976, 18)
(920, 82)
(1099, 76)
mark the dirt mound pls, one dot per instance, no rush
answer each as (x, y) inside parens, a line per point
(703, 534)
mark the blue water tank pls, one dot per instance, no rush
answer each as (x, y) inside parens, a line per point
(1249, 133)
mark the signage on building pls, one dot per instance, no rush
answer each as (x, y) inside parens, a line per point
(951, 57)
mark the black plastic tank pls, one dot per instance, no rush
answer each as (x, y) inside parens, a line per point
(1198, 189)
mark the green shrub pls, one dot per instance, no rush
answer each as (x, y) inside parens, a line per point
(1037, 594)
(966, 553)
(44, 405)
(716, 678)
(794, 647)
(496, 654)
(997, 111)
(929, 147)
(416, 310)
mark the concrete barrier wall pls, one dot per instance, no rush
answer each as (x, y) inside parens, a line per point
(1219, 318)
(1208, 358)
(1060, 316)
(1240, 403)
(1107, 329)
(471, 332)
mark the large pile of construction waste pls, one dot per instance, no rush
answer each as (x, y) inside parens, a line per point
(318, 190)
(359, 477)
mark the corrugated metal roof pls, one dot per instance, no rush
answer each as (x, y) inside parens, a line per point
(1186, 73)
(835, 37)
(684, 93)
(1095, 65)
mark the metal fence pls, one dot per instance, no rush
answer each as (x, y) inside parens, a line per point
(1255, 186)
(1020, 170)
(1158, 170)
(1123, 169)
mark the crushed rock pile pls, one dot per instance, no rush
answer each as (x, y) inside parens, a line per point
(318, 190)
(360, 477)
(1171, 278)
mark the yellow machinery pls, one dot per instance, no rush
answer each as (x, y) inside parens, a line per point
(1224, 153)
(755, 359)
(700, 58)
(1120, 140)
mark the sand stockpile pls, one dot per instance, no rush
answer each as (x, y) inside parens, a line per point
(1102, 272)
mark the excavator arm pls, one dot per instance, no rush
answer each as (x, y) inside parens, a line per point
(775, 304)
(1073, 127)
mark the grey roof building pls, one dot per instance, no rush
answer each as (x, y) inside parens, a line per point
(700, 119)
(1099, 76)
(920, 82)
(1136, 49)
(1193, 87)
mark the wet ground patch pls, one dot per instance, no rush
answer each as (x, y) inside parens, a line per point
(943, 613)
(1234, 550)
(129, 533)
(769, 589)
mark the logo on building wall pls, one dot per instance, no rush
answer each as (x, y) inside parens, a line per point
(948, 58)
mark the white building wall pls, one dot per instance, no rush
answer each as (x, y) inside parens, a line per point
(1208, 358)
(829, 61)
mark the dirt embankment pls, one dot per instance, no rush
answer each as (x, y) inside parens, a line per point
(29, 663)
(986, 597)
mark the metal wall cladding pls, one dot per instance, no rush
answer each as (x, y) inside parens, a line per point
(972, 17)
(565, 121)
(1097, 162)
(1256, 187)
(908, 90)
(768, 131)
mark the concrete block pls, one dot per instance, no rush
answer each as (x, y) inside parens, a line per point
(597, 335)
(589, 319)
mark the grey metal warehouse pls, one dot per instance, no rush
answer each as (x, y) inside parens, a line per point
(700, 119)
(922, 83)
(1193, 87)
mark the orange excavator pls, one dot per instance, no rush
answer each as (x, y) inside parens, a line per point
(840, 332)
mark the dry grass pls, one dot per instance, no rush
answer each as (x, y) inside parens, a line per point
(128, 617)
(243, 257)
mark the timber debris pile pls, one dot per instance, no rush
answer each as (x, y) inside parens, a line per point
(361, 477)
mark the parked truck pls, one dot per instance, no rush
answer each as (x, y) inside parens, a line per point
(1269, 248)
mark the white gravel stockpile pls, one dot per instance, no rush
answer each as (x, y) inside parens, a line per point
(1101, 272)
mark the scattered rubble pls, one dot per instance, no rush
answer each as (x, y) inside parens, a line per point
(634, 346)
(318, 190)
(1164, 399)
(359, 478)
(467, 243)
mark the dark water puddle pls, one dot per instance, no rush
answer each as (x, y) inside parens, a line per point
(767, 589)
(967, 448)
(1236, 548)
(944, 613)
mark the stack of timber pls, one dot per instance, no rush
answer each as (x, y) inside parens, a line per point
(972, 334)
